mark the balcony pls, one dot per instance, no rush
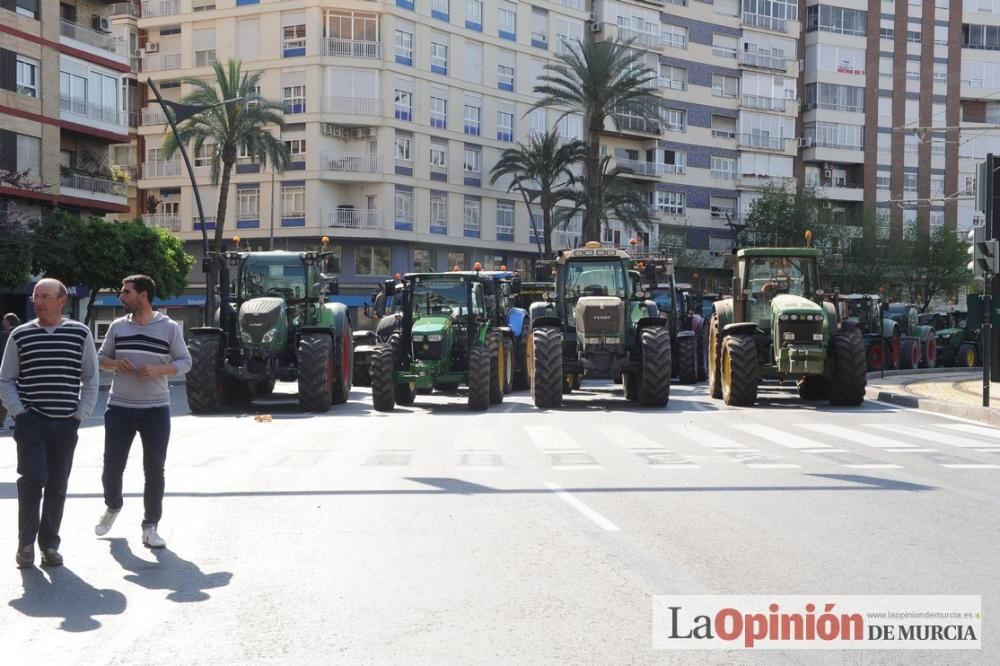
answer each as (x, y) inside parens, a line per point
(762, 61)
(352, 162)
(169, 222)
(351, 48)
(85, 110)
(124, 9)
(352, 106)
(152, 116)
(636, 124)
(158, 62)
(639, 168)
(779, 104)
(93, 187)
(646, 40)
(130, 170)
(842, 191)
(761, 142)
(353, 218)
(102, 41)
(755, 180)
(765, 22)
(161, 169)
(155, 8)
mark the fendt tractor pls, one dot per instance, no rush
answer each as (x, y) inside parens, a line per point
(275, 326)
(448, 335)
(776, 326)
(598, 324)
(687, 330)
(881, 335)
(917, 345)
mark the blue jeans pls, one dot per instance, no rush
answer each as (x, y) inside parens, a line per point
(120, 427)
(45, 448)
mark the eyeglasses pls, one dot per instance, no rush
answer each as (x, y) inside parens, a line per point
(44, 297)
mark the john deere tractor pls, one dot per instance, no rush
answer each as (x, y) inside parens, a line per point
(448, 335)
(956, 347)
(864, 313)
(777, 327)
(597, 324)
(275, 326)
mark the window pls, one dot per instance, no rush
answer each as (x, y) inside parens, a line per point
(676, 36)
(404, 47)
(248, 39)
(570, 127)
(913, 36)
(723, 127)
(295, 99)
(439, 57)
(29, 154)
(505, 220)
(834, 97)
(440, 9)
(247, 204)
(293, 201)
(507, 26)
(293, 40)
(439, 212)
(472, 217)
(439, 154)
(725, 86)
(296, 150)
(203, 156)
(505, 126)
(539, 28)
(472, 164)
(539, 122)
(909, 183)
(473, 62)
(24, 7)
(674, 161)
(836, 135)
(404, 105)
(836, 19)
(474, 14)
(505, 77)
(886, 33)
(673, 78)
(671, 203)
(404, 145)
(372, 260)
(439, 112)
(423, 261)
(403, 208)
(721, 207)
(723, 167)
(204, 47)
(675, 120)
(724, 46)
(473, 118)
(27, 76)
(456, 259)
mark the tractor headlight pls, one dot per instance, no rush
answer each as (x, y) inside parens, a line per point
(434, 338)
(245, 337)
(788, 335)
(269, 336)
(795, 317)
(818, 337)
(418, 338)
(783, 317)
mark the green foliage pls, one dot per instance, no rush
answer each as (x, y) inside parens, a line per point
(610, 195)
(15, 250)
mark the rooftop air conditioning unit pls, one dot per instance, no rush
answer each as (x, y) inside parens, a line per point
(152, 47)
(371, 132)
(100, 23)
(827, 173)
(595, 27)
(805, 142)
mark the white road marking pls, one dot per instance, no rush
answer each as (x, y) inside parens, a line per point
(992, 434)
(638, 444)
(704, 437)
(910, 450)
(858, 437)
(875, 466)
(931, 436)
(594, 516)
(562, 452)
(782, 437)
(991, 450)
(774, 466)
(972, 466)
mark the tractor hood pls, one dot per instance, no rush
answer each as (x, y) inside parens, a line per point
(263, 320)
(600, 316)
(432, 325)
(789, 303)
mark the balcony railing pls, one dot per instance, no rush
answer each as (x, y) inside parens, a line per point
(91, 111)
(762, 60)
(636, 124)
(156, 62)
(353, 218)
(765, 22)
(762, 180)
(170, 222)
(100, 40)
(831, 143)
(351, 48)
(761, 142)
(646, 40)
(352, 162)
(154, 8)
(129, 170)
(764, 103)
(161, 169)
(124, 9)
(153, 115)
(356, 106)
(640, 167)
(95, 184)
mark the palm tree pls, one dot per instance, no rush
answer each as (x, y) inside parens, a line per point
(231, 127)
(610, 195)
(598, 80)
(542, 171)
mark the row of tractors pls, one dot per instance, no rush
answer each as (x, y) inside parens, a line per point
(592, 313)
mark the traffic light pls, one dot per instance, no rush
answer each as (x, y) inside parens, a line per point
(984, 254)
(976, 234)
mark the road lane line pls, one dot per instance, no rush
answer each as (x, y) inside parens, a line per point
(972, 466)
(875, 466)
(782, 437)
(592, 515)
(931, 436)
(856, 436)
(910, 450)
(705, 438)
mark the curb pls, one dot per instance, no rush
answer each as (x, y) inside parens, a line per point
(987, 415)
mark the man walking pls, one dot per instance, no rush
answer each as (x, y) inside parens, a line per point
(49, 383)
(143, 348)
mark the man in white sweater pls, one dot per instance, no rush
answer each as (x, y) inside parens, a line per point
(143, 348)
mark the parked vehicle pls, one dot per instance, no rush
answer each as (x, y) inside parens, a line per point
(881, 334)
(918, 345)
(386, 303)
(688, 341)
(956, 346)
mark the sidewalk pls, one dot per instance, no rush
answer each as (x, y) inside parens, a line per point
(951, 391)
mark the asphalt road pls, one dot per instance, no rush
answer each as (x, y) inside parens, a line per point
(438, 535)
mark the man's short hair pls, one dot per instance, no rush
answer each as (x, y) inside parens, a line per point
(12, 319)
(142, 283)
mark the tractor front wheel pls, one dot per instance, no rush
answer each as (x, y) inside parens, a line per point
(498, 359)
(508, 365)
(654, 375)
(382, 364)
(521, 378)
(813, 387)
(204, 383)
(967, 354)
(345, 367)
(739, 370)
(547, 375)
(909, 354)
(702, 353)
(928, 355)
(847, 379)
(687, 360)
(316, 370)
(480, 378)
(714, 358)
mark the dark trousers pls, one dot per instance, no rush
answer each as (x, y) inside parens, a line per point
(45, 448)
(120, 427)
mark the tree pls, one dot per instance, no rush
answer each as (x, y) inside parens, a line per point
(939, 270)
(15, 231)
(599, 80)
(541, 171)
(779, 217)
(239, 127)
(97, 254)
(608, 194)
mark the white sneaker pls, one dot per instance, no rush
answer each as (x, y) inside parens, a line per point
(103, 526)
(150, 539)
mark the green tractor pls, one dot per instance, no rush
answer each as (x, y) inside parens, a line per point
(449, 335)
(772, 328)
(864, 313)
(596, 324)
(918, 345)
(275, 326)
(956, 347)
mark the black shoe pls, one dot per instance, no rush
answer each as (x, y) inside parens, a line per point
(25, 556)
(51, 558)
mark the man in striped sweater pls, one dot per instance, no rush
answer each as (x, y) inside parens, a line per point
(49, 383)
(143, 348)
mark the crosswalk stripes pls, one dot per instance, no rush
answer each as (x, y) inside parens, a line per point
(930, 436)
(703, 437)
(561, 451)
(782, 437)
(477, 449)
(655, 454)
(840, 432)
(991, 434)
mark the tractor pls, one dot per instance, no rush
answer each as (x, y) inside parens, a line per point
(597, 324)
(275, 326)
(385, 308)
(687, 330)
(514, 319)
(776, 326)
(956, 347)
(863, 313)
(917, 345)
(448, 335)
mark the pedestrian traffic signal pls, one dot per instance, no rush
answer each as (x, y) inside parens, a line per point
(976, 234)
(988, 256)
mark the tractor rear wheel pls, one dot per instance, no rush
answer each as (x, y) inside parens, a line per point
(738, 373)
(909, 354)
(479, 378)
(521, 378)
(508, 365)
(967, 354)
(702, 353)
(405, 394)
(344, 372)
(873, 352)
(204, 383)
(892, 353)
(687, 360)
(654, 373)
(813, 387)
(316, 370)
(498, 358)
(630, 386)
(383, 367)
(265, 387)
(847, 378)
(714, 358)
(928, 353)
(547, 374)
